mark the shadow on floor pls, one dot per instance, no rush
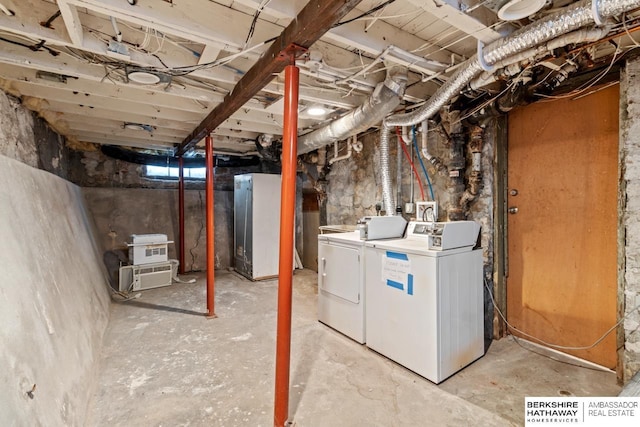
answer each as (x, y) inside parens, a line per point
(149, 306)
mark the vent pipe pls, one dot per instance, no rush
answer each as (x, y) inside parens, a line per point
(385, 98)
(574, 17)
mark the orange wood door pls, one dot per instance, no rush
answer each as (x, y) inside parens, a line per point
(562, 243)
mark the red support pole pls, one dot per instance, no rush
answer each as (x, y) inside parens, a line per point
(210, 229)
(181, 212)
(287, 220)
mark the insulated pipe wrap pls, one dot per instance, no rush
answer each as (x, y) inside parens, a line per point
(387, 194)
(574, 17)
(384, 99)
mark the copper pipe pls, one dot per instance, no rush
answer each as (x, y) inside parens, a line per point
(210, 229)
(287, 223)
(181, 212)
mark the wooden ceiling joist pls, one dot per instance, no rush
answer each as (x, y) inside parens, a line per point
(317, 17)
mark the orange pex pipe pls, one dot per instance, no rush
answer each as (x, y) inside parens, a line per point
(210, 229)
(287, 223)
(181, 212)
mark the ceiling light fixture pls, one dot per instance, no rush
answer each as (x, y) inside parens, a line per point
(514, 10)
(143, 77)
(317, 110)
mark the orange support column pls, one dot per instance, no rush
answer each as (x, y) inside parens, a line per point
(287, 223)
(210, 229)
(181, 212)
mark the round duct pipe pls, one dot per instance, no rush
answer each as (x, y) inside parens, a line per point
(514, 10)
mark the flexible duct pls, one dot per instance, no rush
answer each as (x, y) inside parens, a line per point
(387, 195)
(580, 36)
(574, 17)
(385, 98)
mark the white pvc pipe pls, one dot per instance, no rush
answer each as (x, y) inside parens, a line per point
(6, 10)
(345, 156)
(114, 24)
(424, 140)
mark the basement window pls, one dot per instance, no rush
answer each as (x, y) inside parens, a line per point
(171, 172)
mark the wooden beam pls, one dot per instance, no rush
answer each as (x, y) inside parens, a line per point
(317, 17)
(72, 22)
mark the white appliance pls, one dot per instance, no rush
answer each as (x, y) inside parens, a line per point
(341, 283)
(145, 276)
(381, 227)
(341, 296)
(151, 266)
(425, 306)
(148, 248)
(256, 225)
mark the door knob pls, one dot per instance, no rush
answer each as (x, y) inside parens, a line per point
(513, 192)
(513, 210)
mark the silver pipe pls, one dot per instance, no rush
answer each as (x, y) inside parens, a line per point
(387, 195)
(580, 36)
(398, 176)
(572, 18)
(384, 99)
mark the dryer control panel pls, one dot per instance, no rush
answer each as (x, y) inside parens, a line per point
(442, 236)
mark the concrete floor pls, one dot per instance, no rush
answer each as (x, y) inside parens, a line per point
(164, 364)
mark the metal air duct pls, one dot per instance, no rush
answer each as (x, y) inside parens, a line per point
(574, 17)
(385, 98)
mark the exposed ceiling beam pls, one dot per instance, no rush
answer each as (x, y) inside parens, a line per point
(116, 128)
(311, 23)
(448, 11)
(141, 137)
(43, 61)
(104, 103)
(373, 41)
(187, 19)
(172, 56)
(124, 92)
(115, 141)
(72, 22)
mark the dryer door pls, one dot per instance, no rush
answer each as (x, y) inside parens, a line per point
(339, 271)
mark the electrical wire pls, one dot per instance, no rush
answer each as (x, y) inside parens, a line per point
(556, 346)
(588, 85)
(424, 169)
(367, 13)
(413, 167)
(254, 21)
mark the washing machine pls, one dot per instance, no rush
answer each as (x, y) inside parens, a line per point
(341, 294)
(425, 298)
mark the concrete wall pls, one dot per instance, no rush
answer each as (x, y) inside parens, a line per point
(28, 138)
(53, 302)
(120, 212)
(123, 201)
(629, 217)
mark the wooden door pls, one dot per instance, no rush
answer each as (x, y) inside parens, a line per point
(562, 243)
